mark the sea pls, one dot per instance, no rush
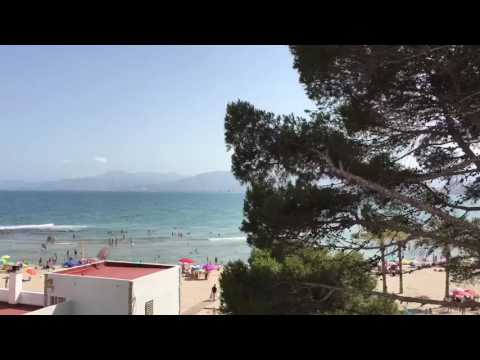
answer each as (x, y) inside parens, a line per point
(145, 227)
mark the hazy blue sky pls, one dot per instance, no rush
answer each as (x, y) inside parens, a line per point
(69, 111)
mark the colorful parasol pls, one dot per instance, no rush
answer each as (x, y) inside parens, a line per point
(186, 260)
(31, 272)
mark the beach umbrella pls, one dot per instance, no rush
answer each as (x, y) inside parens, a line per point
(103, 253)
(209, 267)
(186, 260)
(459, 293)
(472, 293)
(31, 271)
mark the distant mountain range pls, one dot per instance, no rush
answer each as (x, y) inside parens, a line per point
(216, 181)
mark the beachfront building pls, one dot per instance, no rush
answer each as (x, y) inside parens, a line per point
(113, 288)
(103, 287)
(16, 301)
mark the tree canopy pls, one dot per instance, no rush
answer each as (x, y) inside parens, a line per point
(269, 286)
(393, 145)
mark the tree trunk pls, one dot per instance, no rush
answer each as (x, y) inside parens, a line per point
(384, 270)
(400, 269)
(447, 272)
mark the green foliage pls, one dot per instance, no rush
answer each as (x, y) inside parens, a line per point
(271, 286)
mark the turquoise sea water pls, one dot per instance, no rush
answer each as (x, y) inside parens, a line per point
(151, 224)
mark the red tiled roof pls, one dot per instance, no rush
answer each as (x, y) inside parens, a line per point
(123, 271)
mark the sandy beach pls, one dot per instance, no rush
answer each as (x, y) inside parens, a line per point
(428, 282)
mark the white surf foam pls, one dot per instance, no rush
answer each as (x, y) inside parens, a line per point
(238, 238)
(42, 227)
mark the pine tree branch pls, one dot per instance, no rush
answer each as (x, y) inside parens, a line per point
(463, 145)
(389, 194)
(401, 298)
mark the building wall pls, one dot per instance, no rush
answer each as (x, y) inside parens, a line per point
(31, 298)
(4, 295)
(65, 308)
(92, 296)
(162, 287)
(26, 297)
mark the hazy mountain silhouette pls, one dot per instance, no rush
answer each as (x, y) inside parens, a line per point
(217, 181)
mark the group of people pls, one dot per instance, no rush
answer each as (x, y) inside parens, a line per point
(113, 242)
(52, 261)
(49, 264)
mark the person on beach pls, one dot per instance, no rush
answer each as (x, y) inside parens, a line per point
(214, 292)
(40, 262)
(73, 236)
(75, 252)
(216, 260)
(68, 253)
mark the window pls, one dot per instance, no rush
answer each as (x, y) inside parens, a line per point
(56, 300)
(149, 307)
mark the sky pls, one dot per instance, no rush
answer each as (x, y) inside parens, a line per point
(73, 111)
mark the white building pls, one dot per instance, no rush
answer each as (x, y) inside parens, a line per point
(16, 301)
(104, 287)
(113, 288)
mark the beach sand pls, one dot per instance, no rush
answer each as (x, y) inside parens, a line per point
(428, 282)
(195, 296)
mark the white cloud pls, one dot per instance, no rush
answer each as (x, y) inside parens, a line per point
(66, 161)
(100, 159)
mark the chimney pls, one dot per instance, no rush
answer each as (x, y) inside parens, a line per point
(15, 283)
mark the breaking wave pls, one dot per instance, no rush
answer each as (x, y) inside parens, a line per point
(51, 227)
(238, 238)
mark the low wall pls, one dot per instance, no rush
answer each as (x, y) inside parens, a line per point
(57, 309)
(31, 298)
(4, 295)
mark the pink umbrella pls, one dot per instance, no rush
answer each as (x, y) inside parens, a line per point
(186, 260)
(103, 253)
(472, 293)
(459, 293)
(210, 267)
